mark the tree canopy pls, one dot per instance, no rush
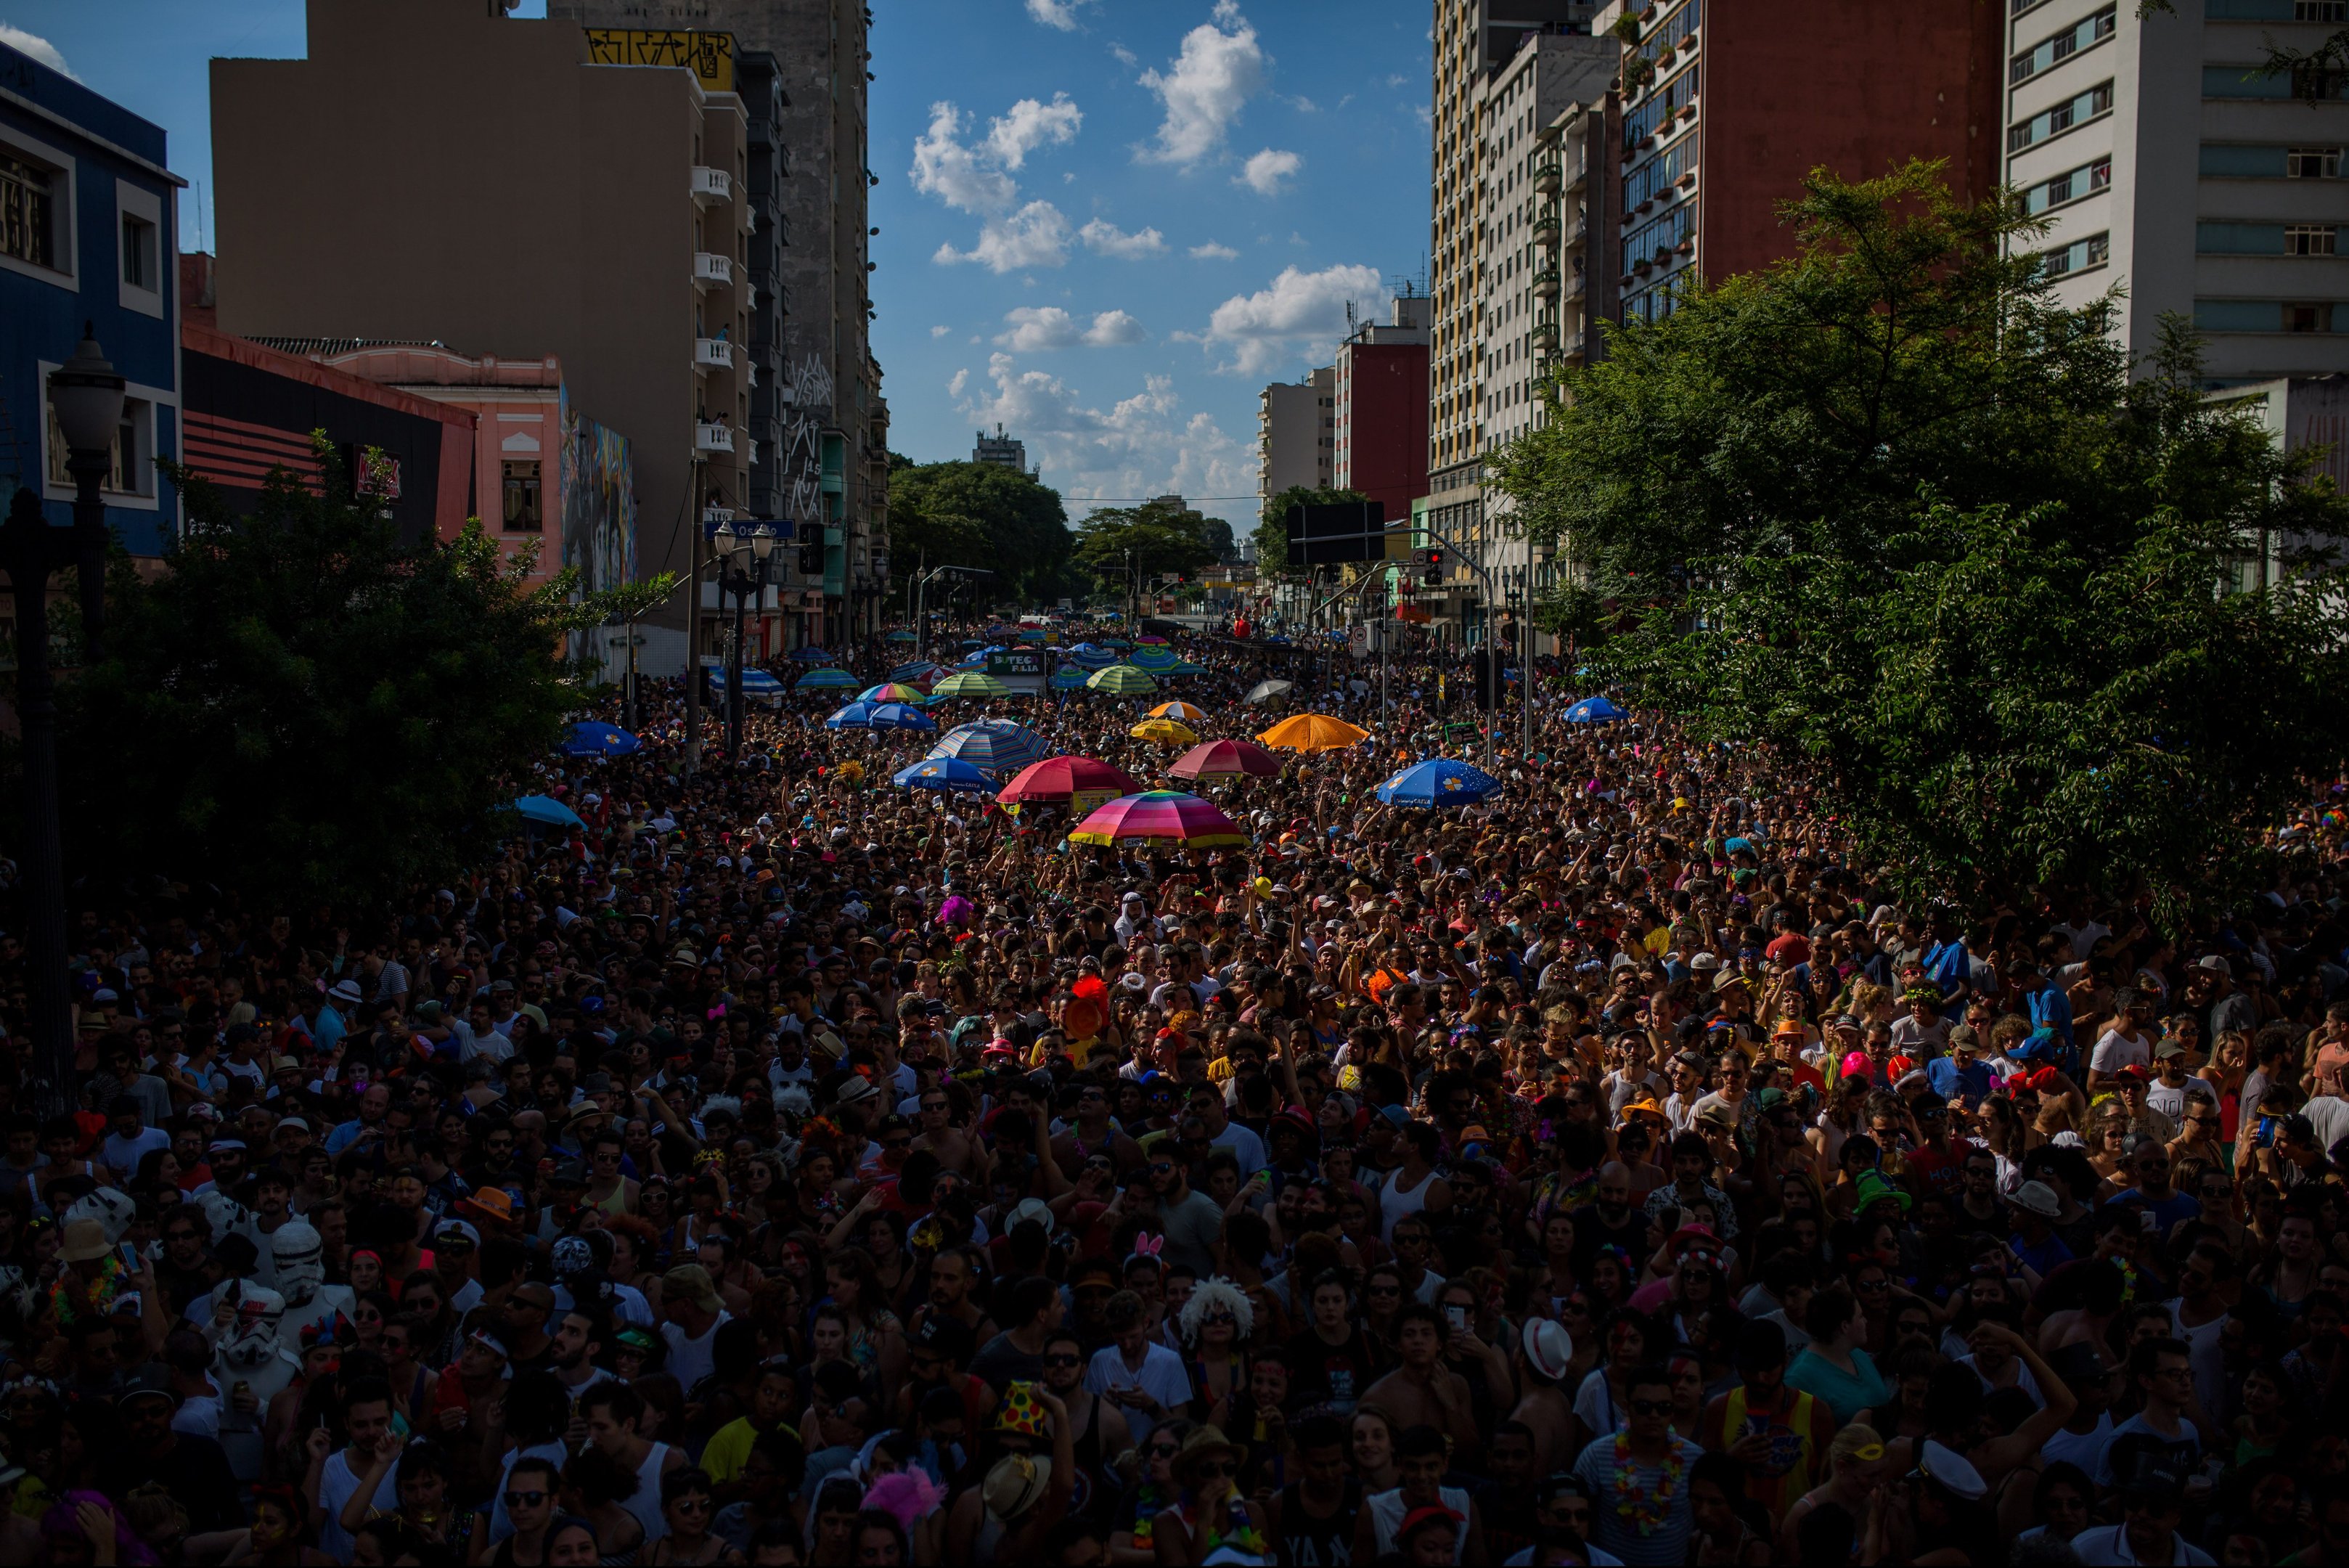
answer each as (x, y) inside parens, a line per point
(1892, 508)
(1153, 538)
(984, 514)
(305, 708)
(1272, 527)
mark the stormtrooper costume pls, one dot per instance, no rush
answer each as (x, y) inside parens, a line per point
(252, 1353)
(300, 1256)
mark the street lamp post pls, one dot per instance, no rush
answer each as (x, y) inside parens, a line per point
(742, 561)
(87, 396)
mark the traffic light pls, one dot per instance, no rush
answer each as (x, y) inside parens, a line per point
(1485, 665)
(1430, 562)
(811, 541)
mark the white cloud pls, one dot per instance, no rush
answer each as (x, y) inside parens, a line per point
(1211, 251)
(1125, 56)
(1302, 312)
(1114, 327)
(1398, 79)
(1144, 444)
(38, 47)
(1035, 236)
(1036, 329)
(1030, 125)
(1107, 239)
(940, 331)
(961, 379)
(1205, 89)
(1060, 14)
(958, 175)
(1265, 171)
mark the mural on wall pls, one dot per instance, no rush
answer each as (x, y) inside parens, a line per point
(599, 502)
(807, 399)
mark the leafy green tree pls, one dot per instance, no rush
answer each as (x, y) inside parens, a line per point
(1022, 529)
(1153, 538)
(1272, 528)
(303, 706)
(1890, 509)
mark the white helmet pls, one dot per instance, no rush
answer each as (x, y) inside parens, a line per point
(113, 1210)
(251, 1337)
(300, 1255)
(224, 1213)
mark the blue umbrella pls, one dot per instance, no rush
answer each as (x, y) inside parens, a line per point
(829, 679)
(1152, 659)
(594, 739)
(547, 811)
(1068, 678)
(1595, 710)
(855, 716)
(1439, 782)
(811, 656)
(946, 773)
(901, 716)
(901, 637)
(918, 669)
(755, 682)
(993, 745)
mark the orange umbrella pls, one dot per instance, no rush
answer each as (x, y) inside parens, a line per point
(1313, 733)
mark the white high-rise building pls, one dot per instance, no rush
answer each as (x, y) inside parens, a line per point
(2168, 163)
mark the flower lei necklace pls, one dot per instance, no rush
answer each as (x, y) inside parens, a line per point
(1633, 1504)
(100, 1294)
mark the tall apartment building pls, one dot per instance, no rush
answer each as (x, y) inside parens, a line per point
(2166, 162)
(528, 191)
(1296, 434)
(834, 422)
(1010, 451)
(1379, 394)
(1577, 225)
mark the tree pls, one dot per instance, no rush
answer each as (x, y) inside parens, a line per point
(1151, 539)
(1272, 528)
(1022, 529)
(1891, 510)
(301, 706)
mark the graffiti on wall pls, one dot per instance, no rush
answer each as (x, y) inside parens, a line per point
(709, 55)
(599, 502)
(798, 466)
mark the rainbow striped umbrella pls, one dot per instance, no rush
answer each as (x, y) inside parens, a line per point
(1163, 817)
(892, 691)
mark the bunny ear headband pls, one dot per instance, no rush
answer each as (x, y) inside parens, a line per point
(1148, 1246)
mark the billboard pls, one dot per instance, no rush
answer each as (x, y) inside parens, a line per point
(1337, 533)
(1020, 668)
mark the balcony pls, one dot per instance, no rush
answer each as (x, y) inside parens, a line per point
(1579, 176)
(1573, 287)
(711, 270)
(1545, 231)
(1547, 175)
(1576, 227)
(713, 354)
(1545, 283)
(710, 440)
(712, 186)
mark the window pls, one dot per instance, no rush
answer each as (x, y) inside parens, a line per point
(2320, 10)
(2238, 239)
(2245, 81)
(2308, 318)
(28, 212)
(520, 482)
(2080, 256)
(2049, 123)
(139, 263)
(2261, 316)
(2313, 163)
(2070, 186)
(2308, 239)
(131, 459)
(2048, 53)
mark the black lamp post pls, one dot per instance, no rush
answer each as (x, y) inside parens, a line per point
(87, 396)
(742, 558)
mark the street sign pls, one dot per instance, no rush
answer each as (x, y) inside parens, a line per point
(1335, 534)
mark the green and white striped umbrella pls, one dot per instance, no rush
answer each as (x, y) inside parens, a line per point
(1122, 681)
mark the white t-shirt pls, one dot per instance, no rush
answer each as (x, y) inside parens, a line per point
(337, 1484)
(691, 1360)
(1162, 1377)
(2329, 1115)
(1246, 1147)
(2115, 1051)
(2107, 1546)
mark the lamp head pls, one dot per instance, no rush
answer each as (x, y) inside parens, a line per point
(86, 395)
(762, 542)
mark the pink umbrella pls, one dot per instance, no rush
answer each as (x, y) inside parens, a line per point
(1162, 816)
(1055, 779)
(1227, 760)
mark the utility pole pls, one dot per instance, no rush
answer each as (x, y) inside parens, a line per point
(1525, 683)
(693, 630)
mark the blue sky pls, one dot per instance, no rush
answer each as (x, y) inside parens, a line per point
(1104, 222)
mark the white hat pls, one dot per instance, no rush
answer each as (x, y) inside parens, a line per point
(2037, 1198)
(346, 991)
(1031, 1209)
(1548, 1347)
(1951, 1472)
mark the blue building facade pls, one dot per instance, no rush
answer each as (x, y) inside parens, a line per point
(88, 235)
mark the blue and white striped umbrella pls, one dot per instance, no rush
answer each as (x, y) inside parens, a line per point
(1068, 678)
(1154, 659)
(829, 679)
(995, 746)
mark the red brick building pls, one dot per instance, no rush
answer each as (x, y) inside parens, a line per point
(1380, 445)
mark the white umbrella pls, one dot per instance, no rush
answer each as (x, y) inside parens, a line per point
(1265, 690)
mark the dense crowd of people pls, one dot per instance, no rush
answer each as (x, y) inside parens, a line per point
(783, 1167)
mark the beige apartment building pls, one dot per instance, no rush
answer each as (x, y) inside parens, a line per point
(436, 171)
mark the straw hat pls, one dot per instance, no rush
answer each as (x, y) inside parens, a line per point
(1203, 1443)
(1015, 1484)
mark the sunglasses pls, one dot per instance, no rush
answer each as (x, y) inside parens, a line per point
(525, 1498)
(1651, 1407)
(1062, 1360)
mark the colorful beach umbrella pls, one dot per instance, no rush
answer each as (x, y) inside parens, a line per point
(1439, 782)
(969, 683)
(1164, 733)
(995, 746)
(1055, 779)
(829, 679)
(1068, 678)
(892, 691)
(1180, 712)
(1160, 816)
(1122, 681)
(950, 773)
(1156, 660)
(1227, 760)
(1313, 733)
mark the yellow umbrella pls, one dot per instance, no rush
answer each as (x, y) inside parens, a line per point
(1166, 732)
(1180, 712)
(1313, 733)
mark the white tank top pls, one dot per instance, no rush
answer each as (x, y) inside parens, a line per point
(647, 1502)
(1395, 1202)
